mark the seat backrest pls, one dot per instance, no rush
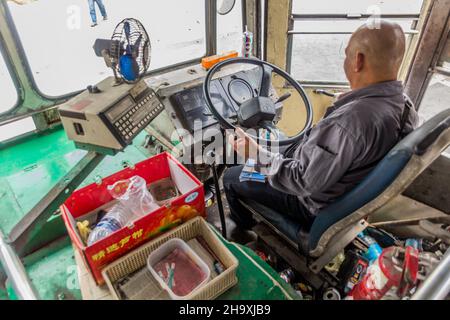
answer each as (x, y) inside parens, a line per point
(395, 172)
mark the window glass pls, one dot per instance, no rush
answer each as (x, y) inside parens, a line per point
(59, 47)
(229, 30)
(320, 57)
(436, 99)
(8, 96)
(16, 128)
(444, 60)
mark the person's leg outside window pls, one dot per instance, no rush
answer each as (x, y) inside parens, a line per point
(102, 8)
(92, 12)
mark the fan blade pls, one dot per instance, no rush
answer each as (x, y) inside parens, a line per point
(127, 68)
(127, 29)
(136, 46)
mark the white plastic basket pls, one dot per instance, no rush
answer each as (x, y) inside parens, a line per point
(137, 260)
(160, 253)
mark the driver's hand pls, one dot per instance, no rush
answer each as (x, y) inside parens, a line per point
(244, 146)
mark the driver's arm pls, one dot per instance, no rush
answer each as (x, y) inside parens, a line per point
(321, 162)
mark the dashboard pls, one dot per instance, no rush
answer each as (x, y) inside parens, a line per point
(227, 94)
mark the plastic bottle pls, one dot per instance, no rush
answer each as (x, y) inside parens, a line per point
(384, 274)
(247, 43)
(287, 275)
(115, 219)
(374, 250)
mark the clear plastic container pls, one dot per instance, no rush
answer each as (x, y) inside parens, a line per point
(178, 269)
(163, 191)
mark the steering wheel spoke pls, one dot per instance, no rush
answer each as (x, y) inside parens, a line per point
(262, 104)
(266, 81)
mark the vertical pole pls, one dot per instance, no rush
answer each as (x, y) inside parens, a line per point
(211, 27)
(212, 155)
(219, 201)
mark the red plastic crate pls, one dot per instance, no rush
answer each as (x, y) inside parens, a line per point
(189, 204)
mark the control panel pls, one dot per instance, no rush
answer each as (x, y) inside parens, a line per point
(109, 117)
(227, 94)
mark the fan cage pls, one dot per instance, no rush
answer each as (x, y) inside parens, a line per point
(119, 45)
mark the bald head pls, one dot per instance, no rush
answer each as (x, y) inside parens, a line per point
(374, 53)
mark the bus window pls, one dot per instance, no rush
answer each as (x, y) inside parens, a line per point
(59, 47)
(16, 128)
(322, 28)
(436, 98)
(8, 97)
(229, 29)
(437, 93)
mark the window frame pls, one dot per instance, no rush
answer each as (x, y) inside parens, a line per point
(12, 78)
(334, 17)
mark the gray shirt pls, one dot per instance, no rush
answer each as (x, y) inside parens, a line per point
(335, 155)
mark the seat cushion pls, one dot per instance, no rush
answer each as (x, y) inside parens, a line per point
(281, 222)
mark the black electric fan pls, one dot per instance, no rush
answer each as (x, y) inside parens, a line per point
(129, 51)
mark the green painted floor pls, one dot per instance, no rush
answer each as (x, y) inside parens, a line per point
(30, 169)
(54, 275)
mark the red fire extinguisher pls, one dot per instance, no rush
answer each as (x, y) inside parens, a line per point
(384, 273)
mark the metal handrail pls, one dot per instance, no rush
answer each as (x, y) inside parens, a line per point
(16, 272)
(351, 16)
(338, 32)
(437, 285)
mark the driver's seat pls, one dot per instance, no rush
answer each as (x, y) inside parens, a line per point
(338, 224)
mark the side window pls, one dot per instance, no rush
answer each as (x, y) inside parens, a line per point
(321, 30)
(437, 94)
(229, 29)
(17, 128)
(59, 47)
(8, 96)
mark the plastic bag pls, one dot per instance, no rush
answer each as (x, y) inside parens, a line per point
(134, 195)
(135, 201)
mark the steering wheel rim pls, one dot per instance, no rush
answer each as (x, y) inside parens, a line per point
(274, 69)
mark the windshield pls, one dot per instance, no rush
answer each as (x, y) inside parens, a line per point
(59, 47)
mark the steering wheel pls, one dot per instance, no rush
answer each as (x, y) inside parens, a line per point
(258, 112)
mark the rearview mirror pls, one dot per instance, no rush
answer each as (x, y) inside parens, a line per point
(225, 6)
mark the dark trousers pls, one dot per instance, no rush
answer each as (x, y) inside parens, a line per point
(264, 194)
